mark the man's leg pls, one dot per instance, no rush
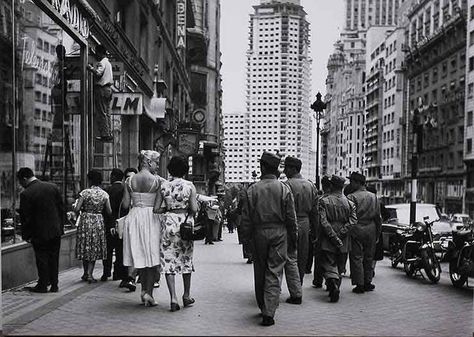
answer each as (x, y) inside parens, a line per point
(303, 247)
(42, 264)
(102, 99)
(318, 272)
(277, 257)
(331, 273)
(53, 262)
(107, 262)
(292, 276)
(356, 263)
(260, 253)
(368, 257)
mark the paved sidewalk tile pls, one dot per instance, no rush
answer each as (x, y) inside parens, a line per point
(225, 305)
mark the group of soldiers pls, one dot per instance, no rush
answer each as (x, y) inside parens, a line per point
(281, 220)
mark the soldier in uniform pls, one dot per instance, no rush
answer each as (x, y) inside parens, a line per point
(336, 215)
(305, 196)
(364, 234)
(269, 223)
(318, 272)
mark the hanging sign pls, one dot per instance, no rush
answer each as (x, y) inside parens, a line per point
(181, 24)
(69, 10)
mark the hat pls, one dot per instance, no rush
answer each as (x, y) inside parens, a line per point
(356, 176)
(270, 159)
(337, 181)
(325, 180)
(292, 161)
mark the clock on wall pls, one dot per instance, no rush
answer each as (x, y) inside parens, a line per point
(199, 116)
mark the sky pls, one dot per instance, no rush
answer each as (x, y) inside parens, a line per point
(326, 18)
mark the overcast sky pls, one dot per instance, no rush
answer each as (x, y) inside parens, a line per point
(326, 21)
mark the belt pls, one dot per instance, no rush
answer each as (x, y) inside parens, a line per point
(177, 211)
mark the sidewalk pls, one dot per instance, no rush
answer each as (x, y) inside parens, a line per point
(223, 288)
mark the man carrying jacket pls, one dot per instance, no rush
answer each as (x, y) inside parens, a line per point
(269, 224)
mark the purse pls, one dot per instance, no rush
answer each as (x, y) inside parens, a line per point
(192, 231)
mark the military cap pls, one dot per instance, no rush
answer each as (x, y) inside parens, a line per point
(270, 159)
(337, 181)
(292, 161)
(325, 180)
(356, 176)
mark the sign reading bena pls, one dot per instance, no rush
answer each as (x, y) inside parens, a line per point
(181, 24)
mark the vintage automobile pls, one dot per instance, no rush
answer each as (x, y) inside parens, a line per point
(461, 220)
(397, 217)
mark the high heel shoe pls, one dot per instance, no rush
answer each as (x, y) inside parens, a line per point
(188, 301)
(149, 301)
(174, 307)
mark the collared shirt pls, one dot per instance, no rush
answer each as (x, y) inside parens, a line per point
(104, 72)
(268, 201)
(367, 205)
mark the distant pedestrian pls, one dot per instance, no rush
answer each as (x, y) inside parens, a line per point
(268, 220)
(114, 243)
(337, 215)
(103, 94)
(41, 216)
(90, 238)
(246, 251)
(364, 234)
(141, 233)
(305, 196)
(179, 196)
(318, 271)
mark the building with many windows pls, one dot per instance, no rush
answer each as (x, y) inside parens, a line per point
(361, 14)
(468, 118)
(279, 84)
(237, 145)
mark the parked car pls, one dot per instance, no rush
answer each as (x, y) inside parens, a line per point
(460, 221)
(397, 217)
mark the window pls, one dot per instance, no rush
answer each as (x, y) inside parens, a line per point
(469, 145)
(469, 118)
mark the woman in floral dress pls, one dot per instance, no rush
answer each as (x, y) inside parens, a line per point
(179, 196)
(90, 237)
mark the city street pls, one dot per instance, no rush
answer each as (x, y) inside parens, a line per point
(225, 305)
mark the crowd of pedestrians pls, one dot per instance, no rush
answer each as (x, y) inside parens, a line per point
(283, 226)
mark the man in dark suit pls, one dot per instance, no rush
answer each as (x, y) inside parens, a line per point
(115, 192)
(41, 215)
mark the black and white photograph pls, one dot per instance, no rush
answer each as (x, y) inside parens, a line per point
(237, 167)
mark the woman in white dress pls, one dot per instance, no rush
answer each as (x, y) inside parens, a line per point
(141, 235)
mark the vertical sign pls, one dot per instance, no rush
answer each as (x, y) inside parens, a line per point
(181, 24)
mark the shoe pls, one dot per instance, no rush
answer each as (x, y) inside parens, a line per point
(211, 243)
(37, 289)
(334, 295)
(294, 300)
(122, 284)
(91, 280)
(358, 290)
(104, 278)
(317, 284)
(188, 301)
(156, 284)
(174, 307)
(130, 286)
(267, 321)
(149, 301)
(54, 289)
(84, 278)
(369, 287)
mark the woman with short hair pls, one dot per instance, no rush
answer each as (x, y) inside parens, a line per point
(90, 237)
(179, 196)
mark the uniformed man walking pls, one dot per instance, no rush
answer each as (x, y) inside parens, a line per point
(336, 217)
(364, 234)
(269, 223)
(318, 272)
(305, 196)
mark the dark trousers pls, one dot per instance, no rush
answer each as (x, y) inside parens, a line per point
(318, 270)
(47, 261)
(362, 254)
(269, 256)
(114, 243)
(209, 230)
(333, 264)
(102, 99)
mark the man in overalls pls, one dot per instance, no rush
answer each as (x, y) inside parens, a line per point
(269, 224)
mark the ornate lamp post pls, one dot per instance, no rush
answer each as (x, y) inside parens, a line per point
(318, 107)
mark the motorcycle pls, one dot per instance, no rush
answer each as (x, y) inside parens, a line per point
(418, 251)
(396, 244)
(461, 256)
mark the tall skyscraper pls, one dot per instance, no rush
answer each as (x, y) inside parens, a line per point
(279, 85)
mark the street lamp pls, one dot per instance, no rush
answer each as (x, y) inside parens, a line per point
(318, 106)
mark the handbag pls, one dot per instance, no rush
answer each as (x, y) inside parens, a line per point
(120, 223)
(192, 231)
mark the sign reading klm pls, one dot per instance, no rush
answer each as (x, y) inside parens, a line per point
(181, 24)
(127, 103)
(71, 13)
